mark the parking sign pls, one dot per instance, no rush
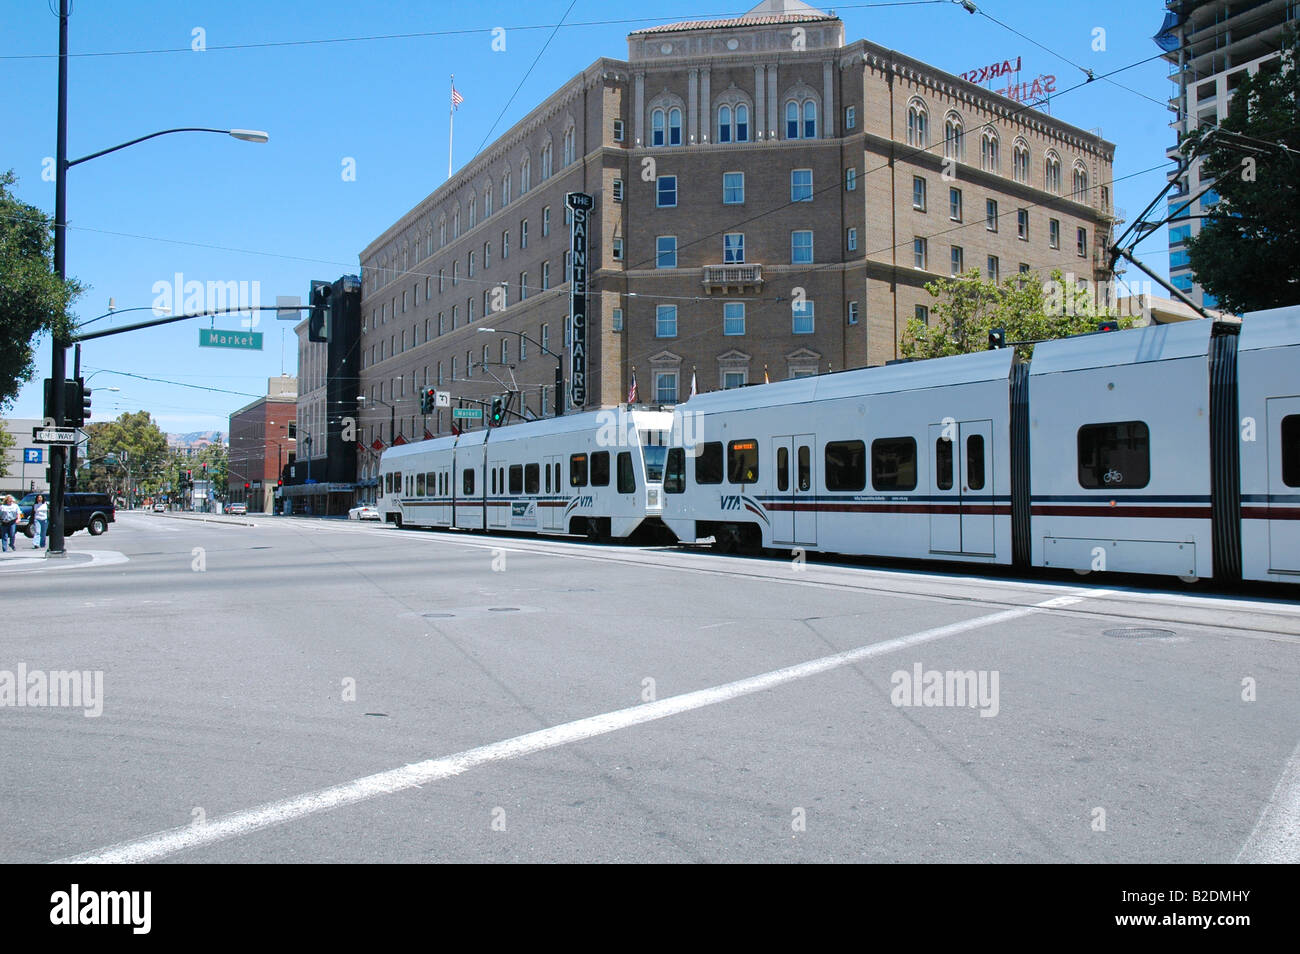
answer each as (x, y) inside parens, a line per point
(33, 455)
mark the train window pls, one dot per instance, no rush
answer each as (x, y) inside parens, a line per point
(943, 463)
(846, 465)
(975, 462)
(708, 464)
(893, 463)
(600, 469)
(626, 476)
(742, 462)
(467, 481)
(419, 485)
(516, 478)
(675, 471)
(388, 483)
(557, 477)
(783, 469)
(397, 482)
(548, 478)
(805, 468)
(1291, 450)
(531, 479)
(1114, 456)
(431, 484)
(492, 479)
(577, 470)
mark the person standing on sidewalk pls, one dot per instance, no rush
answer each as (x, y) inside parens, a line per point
(9, 514)
(40, 520)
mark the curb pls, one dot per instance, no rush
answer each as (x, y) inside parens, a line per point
(201, 518)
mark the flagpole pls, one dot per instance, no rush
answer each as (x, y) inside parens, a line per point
(451, 121)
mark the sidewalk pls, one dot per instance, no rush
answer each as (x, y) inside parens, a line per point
(201, 517)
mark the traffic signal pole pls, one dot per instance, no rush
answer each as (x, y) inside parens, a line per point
(58, 347)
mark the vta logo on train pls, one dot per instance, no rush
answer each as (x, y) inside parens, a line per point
(585, 501)
(730, 502)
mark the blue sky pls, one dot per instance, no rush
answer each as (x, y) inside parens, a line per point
(280, 214)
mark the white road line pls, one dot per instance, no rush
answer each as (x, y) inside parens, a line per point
(162, 844)
(1275, 839)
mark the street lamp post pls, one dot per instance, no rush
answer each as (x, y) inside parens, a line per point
(559, 363)
(59, 343)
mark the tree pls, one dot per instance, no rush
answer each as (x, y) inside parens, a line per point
(1247, 254)
(139, 437)
(6, 442)
(968, 307)
(32, 299)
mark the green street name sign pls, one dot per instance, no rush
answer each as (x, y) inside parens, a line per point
(214, 338)
(467, 413)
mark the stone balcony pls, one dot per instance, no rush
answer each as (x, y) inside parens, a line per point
(721, 279)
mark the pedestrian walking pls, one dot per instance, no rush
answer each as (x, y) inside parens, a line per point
(9, 514)
(40, 520)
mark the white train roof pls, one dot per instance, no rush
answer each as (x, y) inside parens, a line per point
(567, 424)
(1105, 349)
(1274, 328)
(913, 376)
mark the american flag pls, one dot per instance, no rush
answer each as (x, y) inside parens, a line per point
(456, 98)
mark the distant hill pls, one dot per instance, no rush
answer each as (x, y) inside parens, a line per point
(195, 439)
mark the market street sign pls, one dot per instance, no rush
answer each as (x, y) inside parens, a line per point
(215, 338)
(467, 413)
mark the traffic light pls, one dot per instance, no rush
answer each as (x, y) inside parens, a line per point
(83, 399)
(73, 405)
(247, 485)
(428, 401)
(205, 470)
(498, 411)
(997, 338)
(1110, 324)
(318, 323)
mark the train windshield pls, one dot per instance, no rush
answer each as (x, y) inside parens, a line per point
(654, 463)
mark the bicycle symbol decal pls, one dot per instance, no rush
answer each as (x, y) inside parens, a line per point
(1113, 477)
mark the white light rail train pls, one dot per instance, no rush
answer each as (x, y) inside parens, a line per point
(598, 473)
(1171, 450)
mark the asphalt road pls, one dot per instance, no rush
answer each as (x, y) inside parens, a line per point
(317, 691)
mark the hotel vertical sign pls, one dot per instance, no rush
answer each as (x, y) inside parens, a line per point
(580, 204)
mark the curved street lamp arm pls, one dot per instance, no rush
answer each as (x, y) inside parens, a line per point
(163, 132)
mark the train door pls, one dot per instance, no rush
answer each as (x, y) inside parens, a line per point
(976, 486)
(498, 508)
(555, 498)
(794, 518)
(945, 488)
(961, 484)
(1284, 485)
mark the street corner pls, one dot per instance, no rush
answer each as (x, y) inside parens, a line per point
(29, 559)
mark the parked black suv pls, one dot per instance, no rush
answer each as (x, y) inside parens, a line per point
(93, 512)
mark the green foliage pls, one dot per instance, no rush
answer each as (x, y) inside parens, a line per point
(214, 455)
(1248, 251)
(32, 299)
(140, 438)
(6, 442)
(968, 307)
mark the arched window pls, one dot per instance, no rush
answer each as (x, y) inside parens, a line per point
(505, 190)
(442, 232)
(568, 146)
(455, 224)
(546, 161)
(487, 199)
(918, 124)
(809, 119)
(1080, 182)
(791, 120)
(674, 127)
(742, 123)
(989, 151)
(1052, 173)
(724, 124)
(954, 137)
(525, 175)
(473, 210)
(1020, 160)
(657, 128)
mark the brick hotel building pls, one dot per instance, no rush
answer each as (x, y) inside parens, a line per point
(768, 200)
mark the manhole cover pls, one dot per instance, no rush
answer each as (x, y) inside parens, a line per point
(1138, 632)
(503, 609)
(438, 615)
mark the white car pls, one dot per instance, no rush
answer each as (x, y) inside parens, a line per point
(238, 509)
(364, 513)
